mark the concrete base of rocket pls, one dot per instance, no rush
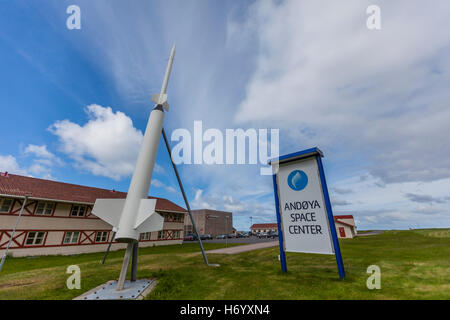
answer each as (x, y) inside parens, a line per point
(136, 290)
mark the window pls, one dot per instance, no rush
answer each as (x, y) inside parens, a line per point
(44, 208)
(101, 236)
(78, 211)
(173, 217)
(161, 234)
(145, 236)
(5, 205)
(35, 238)
(176, 234)
(71, 237)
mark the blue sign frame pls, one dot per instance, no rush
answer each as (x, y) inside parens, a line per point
(314, 152)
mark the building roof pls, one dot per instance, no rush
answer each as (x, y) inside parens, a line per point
(338, 220)
(344, 217)
(264, 226)
(206, 211)
(15, 185)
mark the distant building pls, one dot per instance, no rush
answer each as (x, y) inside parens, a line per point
(263, 227)
(210, 222)
(57, 218)
(345, 226)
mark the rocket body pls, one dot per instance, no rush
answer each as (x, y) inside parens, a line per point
(136, 214)
(142, 176)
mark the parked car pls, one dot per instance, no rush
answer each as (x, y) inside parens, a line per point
(190, 237)
(206, 237)
(240, 235)
(273, 234)
(263, 235)
(231, 235)
(221, 236)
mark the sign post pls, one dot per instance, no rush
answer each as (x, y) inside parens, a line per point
(303, 207)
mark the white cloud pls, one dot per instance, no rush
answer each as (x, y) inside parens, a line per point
(158, 184)
(158, 168)
(9, 164)
(329, 81)
(107, 145)
(395, 205)
(43, 160)
(39, 151)
(372, 100)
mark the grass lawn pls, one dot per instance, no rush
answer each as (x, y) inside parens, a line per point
(414, 265)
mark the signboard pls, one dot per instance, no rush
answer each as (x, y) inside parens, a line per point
(302, 207)
(305, 218)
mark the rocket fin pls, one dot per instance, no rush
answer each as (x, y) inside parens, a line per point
(109, 210)
(148, 220)
(146, 209)
(153, 223)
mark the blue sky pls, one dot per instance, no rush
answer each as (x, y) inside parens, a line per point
(75, 102)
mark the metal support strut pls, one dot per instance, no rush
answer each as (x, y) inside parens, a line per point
(185, 199)
(109, 247)
(126, 262)
(134, 261)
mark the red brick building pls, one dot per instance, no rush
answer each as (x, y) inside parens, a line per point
(211, 222)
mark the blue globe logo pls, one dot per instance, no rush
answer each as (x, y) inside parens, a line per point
(297, 180)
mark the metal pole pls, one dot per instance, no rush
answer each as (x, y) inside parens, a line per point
(134, 261)
(109, 247)
(184, 197)
(126, 262)
(14, 231)
(326, 196)
(280, 229)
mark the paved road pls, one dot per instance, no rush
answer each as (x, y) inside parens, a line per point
(238, 240)
(245, 248)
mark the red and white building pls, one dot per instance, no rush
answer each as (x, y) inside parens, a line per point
(345, 226)
(263, 227)
(57, 218)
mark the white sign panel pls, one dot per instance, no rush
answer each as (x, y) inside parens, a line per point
(302, 208)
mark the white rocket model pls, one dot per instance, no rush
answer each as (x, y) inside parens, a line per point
(136, 214)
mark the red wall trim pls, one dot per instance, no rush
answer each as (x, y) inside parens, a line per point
(88, 240)
(26, 209)
(169, 236)
(44, 216)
